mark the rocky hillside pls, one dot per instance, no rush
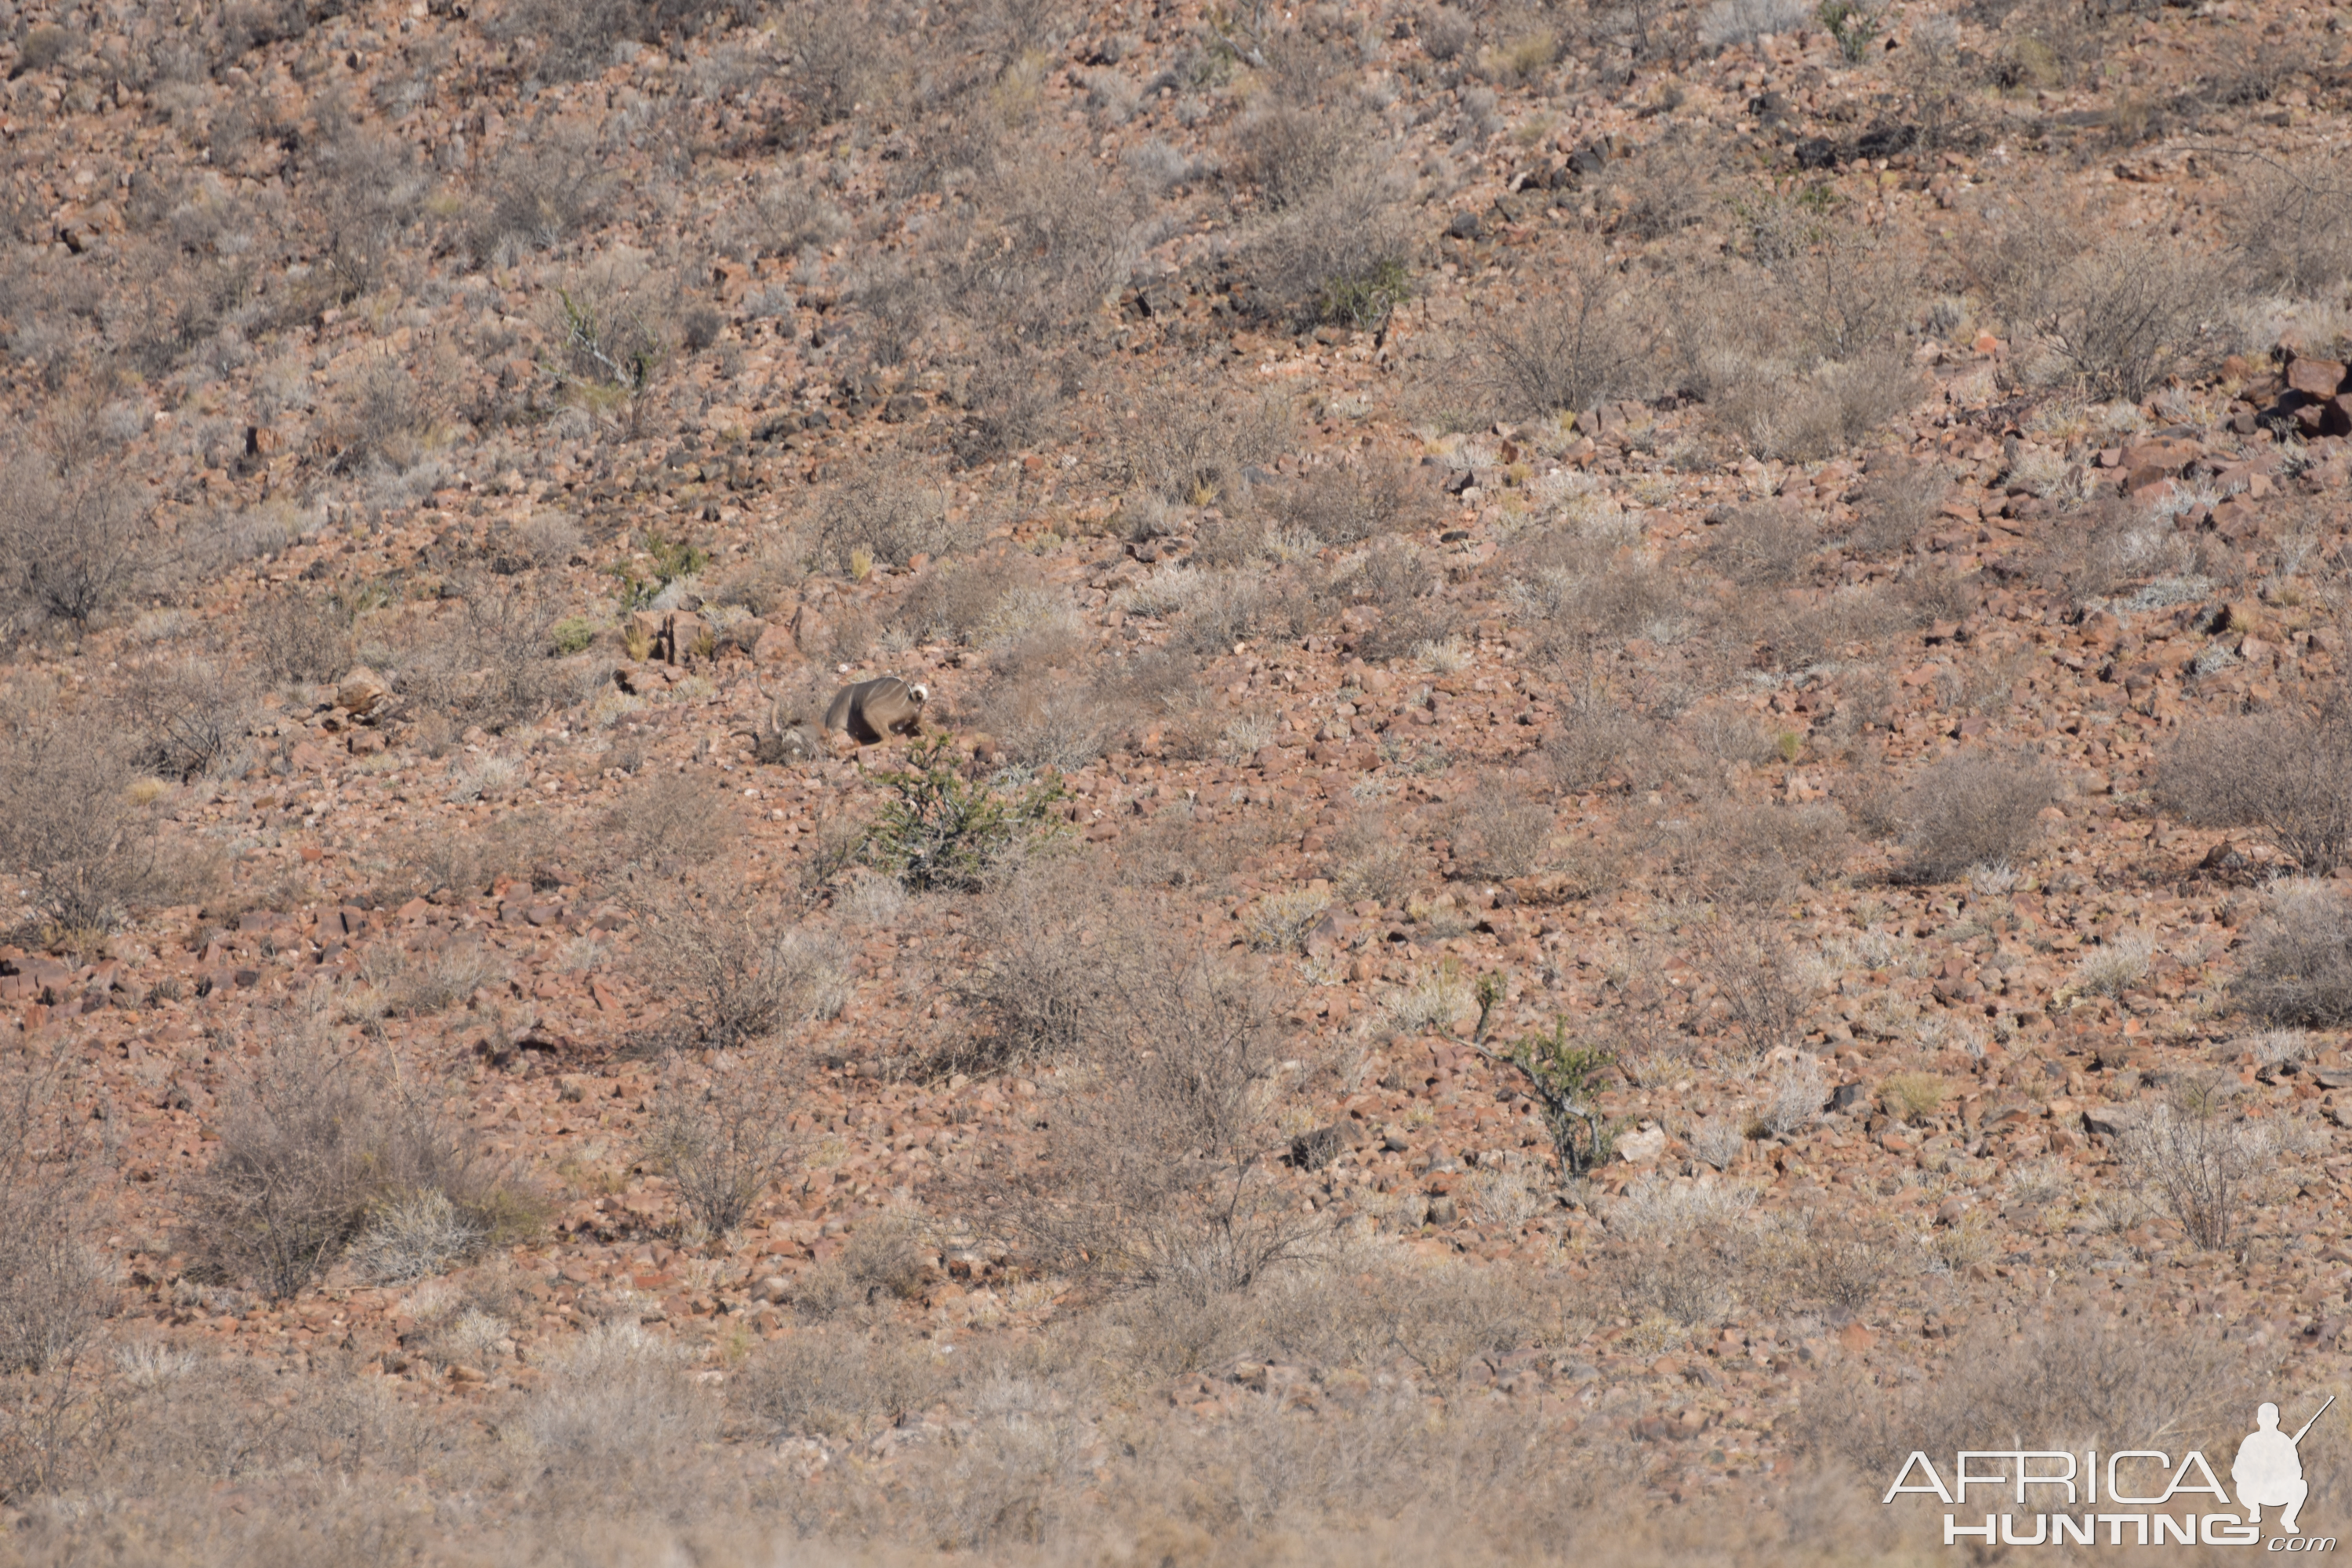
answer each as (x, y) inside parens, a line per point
(1631, 788)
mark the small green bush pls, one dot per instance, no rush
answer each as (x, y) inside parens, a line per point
(945, 831)
(572, 634)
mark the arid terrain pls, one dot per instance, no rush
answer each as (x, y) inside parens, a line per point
(1631, 785)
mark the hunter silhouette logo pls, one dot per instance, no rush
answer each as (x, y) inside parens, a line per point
(2268, 1470)
(2267, 1473)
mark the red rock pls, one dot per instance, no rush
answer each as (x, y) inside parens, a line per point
(2315, 377)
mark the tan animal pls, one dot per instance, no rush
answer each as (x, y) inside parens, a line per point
(870, 709)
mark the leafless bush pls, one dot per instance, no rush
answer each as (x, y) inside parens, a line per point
(2285, 773)
(1727, 21)
(537, 193)
(71, 544)
(738, 976)
(666, 823)
(366, 191)
(837, 1385)
(722, 1135)
(1588, 344)
(1763, 545)
(414, 1235)
(387, 420)
(2198, 1161)
(72, 822)
(1190, 448)
(487, 661)
(2294, 226)
(887, 520)
(575, 37)
(2298, 967)
(1975, 807)
(1899, 501)
(1053, 239)
(1762, 985)
(1159, 1154)
(1053, 951)
(1349, 503)
(311, 1144)
(1339, 253)
(304, 637)
(1499, 834)
(2119, 316)
(1794, 1098)
(1598, 739)
(839, 58)
(1760, 855)
(1827, 410)
(53, 1286)
(186, 716)
(1009, 397)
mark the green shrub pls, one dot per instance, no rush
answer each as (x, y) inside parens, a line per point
(572, 634)
(944, 831)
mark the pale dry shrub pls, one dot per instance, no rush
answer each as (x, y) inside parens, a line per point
(616, 1396)
(54, 1287)
(314, 1145)
(1657, 1212)
(488, 660)
(186, 716)
(1349, 503)
(2297, 968)
(304, 637)
(1764, 544)
(1053, 948)
(415, 1234)
(2285, 774)
(1974, 807)
(2294, 225)
(2069, 1378)
(1813, 416)
(2118, 963)
(1793, 1098)
(735, 972)
(1599, 739)
(433, 980)
(2117, 316)
(1157, 1170)
(74, 822)
(722, 1135)
(666, 823)
(1764, 988)
(1499, 833)
(1727, 21)
(1589, 343)
(837, 1385)
(2198, 1157)
(72, 542)
(886, 519)
(1279, 921)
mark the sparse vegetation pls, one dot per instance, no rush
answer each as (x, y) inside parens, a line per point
(1975, 807)
(2286, 774)
(1585, 667)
